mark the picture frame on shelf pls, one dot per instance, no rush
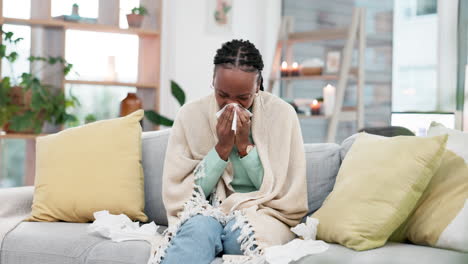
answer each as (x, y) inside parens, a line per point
(332, 61)
(219, 17)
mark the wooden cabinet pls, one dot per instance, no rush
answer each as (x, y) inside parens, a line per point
(49, 37)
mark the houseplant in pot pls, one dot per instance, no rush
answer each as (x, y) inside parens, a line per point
(135, 19)
(28, 102)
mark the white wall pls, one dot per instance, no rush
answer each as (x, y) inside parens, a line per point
(188, 50)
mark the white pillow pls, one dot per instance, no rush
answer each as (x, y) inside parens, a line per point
(455, 236)
(457, 140)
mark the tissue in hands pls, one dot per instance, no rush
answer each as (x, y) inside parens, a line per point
(234, 119)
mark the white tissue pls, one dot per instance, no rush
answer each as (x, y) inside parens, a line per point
(120, 228)
(234, 119)
(297, 248)
(307, 230)
(294, 250)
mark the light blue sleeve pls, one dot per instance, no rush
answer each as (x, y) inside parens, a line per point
(209, 171)
(254, 168)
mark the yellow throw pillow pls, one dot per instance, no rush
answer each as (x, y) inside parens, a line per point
(441, 216)
(90, 168)
(378, 185)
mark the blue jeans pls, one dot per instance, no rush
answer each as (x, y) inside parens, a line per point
(201, 239)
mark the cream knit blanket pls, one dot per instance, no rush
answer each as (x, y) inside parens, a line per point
(15, 206)
(264, 216)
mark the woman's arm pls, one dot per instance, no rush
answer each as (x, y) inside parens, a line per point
(209, 171)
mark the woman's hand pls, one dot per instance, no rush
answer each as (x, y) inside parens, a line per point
(243, 130)
(225, 134)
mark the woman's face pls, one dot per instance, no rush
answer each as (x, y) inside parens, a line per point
(235, 86)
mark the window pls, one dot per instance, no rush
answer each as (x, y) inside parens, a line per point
(12, 158)
(101, 101)
(420, 122)
(426, 7)
(23, 48)
(17, 8)
(102, 56)
(414, 59)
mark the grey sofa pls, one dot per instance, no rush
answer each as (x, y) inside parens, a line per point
(60, 243)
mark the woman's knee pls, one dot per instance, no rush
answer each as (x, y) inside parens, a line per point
(203, 225)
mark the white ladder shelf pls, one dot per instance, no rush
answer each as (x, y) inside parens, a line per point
(354, 34)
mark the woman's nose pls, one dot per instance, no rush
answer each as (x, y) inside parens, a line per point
(230, 101)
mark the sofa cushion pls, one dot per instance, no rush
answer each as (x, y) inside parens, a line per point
(391, 253)
(323, 162)
(346, 145)
(154, 150)
(457, 140)
(90, 168)
(67, 243)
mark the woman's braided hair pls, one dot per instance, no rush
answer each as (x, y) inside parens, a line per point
(240, 54)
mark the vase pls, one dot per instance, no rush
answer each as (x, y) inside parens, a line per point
(130, 104)
(134, 20)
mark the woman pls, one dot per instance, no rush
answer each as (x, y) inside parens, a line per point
(226, 191)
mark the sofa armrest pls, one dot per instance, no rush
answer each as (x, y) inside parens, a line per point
(16, 201)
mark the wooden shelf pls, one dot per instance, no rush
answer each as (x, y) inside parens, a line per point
(78, 26)
(308, 77)
(375, 77)
(337, 34)
(304, 116)
(318, 35)
(113, 83)
(345, 116)
(20, 136)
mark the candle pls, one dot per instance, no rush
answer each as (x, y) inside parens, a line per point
(329, 99)
(284, 69)
(295, 69)
(315, 107)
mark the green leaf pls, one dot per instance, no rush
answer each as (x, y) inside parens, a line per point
(8, 36)
(5, 89)
(2, 50)
(67, 69)
(178, 93)
(23, 122)
(52, 60)
(141, 10)
(12, 57)
(158, 119)
(18, 40)
(90, 118)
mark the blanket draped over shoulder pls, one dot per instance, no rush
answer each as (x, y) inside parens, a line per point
(264, 216)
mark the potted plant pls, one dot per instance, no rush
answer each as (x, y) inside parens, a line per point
(26, 103)
(7, 108)
(136, 17)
